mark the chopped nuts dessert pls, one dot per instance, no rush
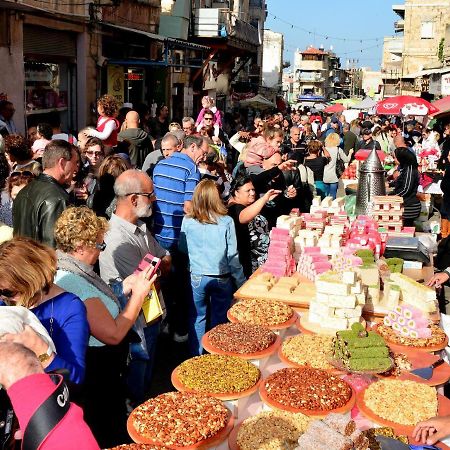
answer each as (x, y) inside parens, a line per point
(139, 447)
(311, 350)
(307, 389)
(217, 374)
(241, 338)
(437, 337)
(272, 430)
(398, 401)
(261, 312)
(179, 419)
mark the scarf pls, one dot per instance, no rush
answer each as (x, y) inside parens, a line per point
(70, 264)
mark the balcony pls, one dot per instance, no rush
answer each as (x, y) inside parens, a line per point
(310, 77)
(399, 9)
(399, 26)
(223, 25)
(394, 45)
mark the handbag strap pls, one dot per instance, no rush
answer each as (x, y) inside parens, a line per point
(47, 416)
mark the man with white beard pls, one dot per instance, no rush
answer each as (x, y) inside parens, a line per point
(127, 241)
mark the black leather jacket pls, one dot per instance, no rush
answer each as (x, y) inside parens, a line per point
(36, 208)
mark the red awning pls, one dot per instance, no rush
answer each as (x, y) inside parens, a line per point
(443, 105)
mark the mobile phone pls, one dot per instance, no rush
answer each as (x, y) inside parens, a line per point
(149, 260)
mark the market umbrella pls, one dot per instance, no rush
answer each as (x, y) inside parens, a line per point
(406, 105)
(366, 103)
(258, 102)
(347, 102)
(443, 105)
(336, 108)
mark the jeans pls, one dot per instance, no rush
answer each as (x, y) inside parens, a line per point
(320, 188)
(140, 370)
(211, 295)
(331, 189)
(176, 289)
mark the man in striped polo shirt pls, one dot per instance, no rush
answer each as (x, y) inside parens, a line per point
(175, 179)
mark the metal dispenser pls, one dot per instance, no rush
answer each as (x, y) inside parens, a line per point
(371, 183)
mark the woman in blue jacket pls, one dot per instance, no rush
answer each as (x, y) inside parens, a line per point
(208, 236)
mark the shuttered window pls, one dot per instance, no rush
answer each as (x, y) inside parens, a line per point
(45, 41)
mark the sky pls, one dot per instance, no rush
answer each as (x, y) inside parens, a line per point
(361, 23)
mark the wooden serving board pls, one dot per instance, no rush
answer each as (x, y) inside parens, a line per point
(307, 327)
(210, 442)
(307, 412)
(399, 429)
(298, 300)
(179, 386)
(209, 347)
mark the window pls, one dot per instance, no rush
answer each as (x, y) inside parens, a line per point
(426, 30)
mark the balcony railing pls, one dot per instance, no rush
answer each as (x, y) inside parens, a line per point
(399, 25)
(314, 77)
(223, 24)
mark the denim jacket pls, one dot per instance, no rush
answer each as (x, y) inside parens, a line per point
(212, 248)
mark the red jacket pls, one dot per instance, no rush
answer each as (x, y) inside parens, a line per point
(71, 433)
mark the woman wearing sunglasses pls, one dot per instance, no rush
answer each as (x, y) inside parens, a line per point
(79, 240)
(27, 271)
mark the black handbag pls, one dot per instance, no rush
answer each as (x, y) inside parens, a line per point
(340, 166)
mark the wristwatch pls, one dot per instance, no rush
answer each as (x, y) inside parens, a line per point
(45, 356)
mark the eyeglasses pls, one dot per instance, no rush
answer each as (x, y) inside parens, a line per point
(100, 246)
(92, 153)
(207, 118)
(149, 195)
(7, 293)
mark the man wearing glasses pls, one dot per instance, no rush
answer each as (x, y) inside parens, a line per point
(127, 241)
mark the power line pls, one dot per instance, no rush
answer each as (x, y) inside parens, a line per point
(326, 36)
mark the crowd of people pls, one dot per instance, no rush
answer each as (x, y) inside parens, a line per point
(77, 216)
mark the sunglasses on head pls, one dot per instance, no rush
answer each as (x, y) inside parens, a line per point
(7, 293)
(24, 173)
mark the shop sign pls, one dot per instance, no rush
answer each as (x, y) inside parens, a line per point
(116, 82)
(445, 84)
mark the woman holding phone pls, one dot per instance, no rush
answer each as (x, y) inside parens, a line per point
(208, 237)
(79, 240)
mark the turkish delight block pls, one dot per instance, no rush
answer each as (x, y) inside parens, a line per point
(340, 423)
(342, 301)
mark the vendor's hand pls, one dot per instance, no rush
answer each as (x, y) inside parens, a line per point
(139, 284)
(438, 279)
(216, 140)
(432, 430)
(28, 338)
(291, 192)
(270, 195)
(287, 165)
(16, 362)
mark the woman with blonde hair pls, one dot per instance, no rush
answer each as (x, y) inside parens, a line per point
(330, 178)
(208, 236)
(79, 237)
(27, 271)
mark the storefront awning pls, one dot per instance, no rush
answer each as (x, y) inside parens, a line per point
(156, 37)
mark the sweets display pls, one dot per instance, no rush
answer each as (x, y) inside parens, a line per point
(388, 211)
(437, 338)
(179, 419)
(139, 447)
(280, 261)
(401, 364)
(403, 402)
(272, 430)
(217, 374)
(241, 338)
(372, 433)
(310, 350)
(414, 293)
(360, 351)
(339, 300)
(334, 432)
(261, 312)
(408, 321)
(307, 389)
